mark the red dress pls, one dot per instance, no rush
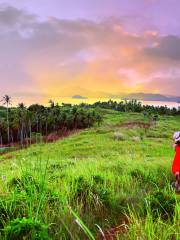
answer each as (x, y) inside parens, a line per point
(176, 162)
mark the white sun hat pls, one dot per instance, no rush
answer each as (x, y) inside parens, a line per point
(176, 137)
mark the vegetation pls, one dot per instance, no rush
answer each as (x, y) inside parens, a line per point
(7, 101)
(19, 124)
(135, 106)
(94, 185)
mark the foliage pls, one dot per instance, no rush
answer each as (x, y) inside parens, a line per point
(135, 106)
(162, 203)
(22, 123)
(90, 193)
(26, 228)
(103, 181)
(26, 183)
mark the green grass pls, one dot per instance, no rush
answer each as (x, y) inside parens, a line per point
(91, 181)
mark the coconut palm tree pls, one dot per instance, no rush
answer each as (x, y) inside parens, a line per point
(22, 115)
(6, 100)
(45, 120)
(52, 103)
(29, 119)
(2, 129)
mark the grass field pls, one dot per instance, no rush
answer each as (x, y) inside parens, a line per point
(104, 179)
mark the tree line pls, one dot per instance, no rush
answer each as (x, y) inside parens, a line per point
(136, 106)
(20, 123)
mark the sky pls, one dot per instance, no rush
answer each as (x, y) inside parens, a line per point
(59, 48)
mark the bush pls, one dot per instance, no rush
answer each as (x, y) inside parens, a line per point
(142, 176)
(162, 203)
(11, 208)
(26, 228)
(98, 179)
(26, 183)
(90, 192)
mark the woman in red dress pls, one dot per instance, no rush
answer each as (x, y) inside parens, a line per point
(176, 162)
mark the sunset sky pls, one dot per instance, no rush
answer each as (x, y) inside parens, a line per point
(53, 48)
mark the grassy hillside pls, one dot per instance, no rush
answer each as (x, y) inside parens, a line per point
(114, 178)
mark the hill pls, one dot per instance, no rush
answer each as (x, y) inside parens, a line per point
(151, 97)
(115, 178)
(78, 91)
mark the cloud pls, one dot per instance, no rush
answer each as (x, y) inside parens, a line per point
(54, 54)
(169, 85)
(13, 17)
(166, 47)
(9, 16)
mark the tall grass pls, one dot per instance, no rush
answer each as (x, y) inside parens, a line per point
(85, 185)
(150, 228)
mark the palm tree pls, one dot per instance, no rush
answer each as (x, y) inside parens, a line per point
(16, 124)
(29, 118)
(2, 129)
(21, 106)
(75, 116)
(7, 101)
(52, 104)
(22, 114)
(45, 119)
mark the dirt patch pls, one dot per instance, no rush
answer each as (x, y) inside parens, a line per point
(8, 156)
(52, 137)
(114, 232)
(59, 135)
(134, 125)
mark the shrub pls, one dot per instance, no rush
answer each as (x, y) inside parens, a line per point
(98, 179)
(162, 203)
(26, 228)
(11, 208)
(144, 177)
(26, 183)
(16, 184)
(3, 214)
(90, 192)
(141, 175)
(54, 199)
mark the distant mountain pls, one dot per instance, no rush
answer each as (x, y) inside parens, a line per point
(81, 93)
(151, 97)
(78, 97)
